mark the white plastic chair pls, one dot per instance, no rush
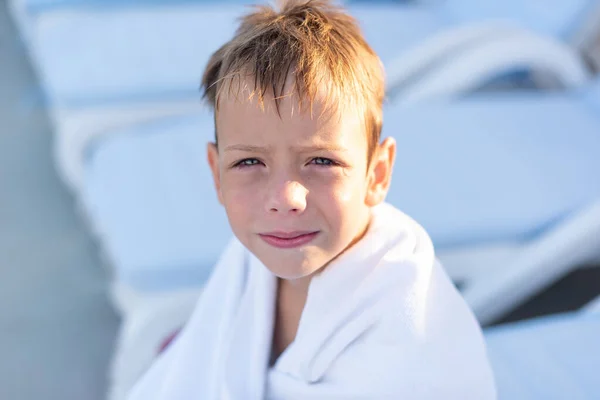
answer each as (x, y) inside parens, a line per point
(463, 59)
(554, 357)
(507, 186)
(149, 58)
(138, 63)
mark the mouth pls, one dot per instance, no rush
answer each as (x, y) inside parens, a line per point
(288, 240)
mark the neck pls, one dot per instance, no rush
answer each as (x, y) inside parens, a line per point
(296, 288)
(291, 299)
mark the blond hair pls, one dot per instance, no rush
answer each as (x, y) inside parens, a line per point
(316, 45)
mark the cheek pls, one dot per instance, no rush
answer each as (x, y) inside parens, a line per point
(242, 197)
(337, 196)
(341, 187)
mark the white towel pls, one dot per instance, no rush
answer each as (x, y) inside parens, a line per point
(381, 322)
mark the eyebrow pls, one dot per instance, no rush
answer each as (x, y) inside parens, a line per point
(245, 147)
(309, 149)
(301, 149)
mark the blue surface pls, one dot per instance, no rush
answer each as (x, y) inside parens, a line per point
(34, 7)
(57, 328)
(559, 18)
(132, 52)
(551, 358)
(38, 6)
(149, 191)
(150, 52)
(497, 167)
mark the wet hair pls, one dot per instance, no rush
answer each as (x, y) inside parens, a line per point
(312, 47)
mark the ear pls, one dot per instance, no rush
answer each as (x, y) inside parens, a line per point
(212, 154)
(380, 172)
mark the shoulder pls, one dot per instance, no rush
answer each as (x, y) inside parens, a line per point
(427, 334)
(425, 299)
(438, 357)
(436, 341)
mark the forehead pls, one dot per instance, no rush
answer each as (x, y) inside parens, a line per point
(241, 118)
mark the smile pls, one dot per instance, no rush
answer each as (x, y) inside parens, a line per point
(288, 240)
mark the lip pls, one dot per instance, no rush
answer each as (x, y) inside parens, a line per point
(288, 240)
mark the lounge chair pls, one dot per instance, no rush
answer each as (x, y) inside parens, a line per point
(149, 58)
(554, 357)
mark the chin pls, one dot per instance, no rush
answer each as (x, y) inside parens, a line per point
(291, 273)
(290, 269)
(294, 275)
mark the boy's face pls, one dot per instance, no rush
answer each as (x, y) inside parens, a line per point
(297, 190)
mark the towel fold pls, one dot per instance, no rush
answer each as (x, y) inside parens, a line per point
(382, 321)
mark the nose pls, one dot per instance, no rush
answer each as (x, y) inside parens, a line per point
(286, 196)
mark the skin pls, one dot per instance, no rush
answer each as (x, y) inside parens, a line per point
(295, 172)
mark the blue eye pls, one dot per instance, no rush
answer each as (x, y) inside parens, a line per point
(321, 161)
(247, 162)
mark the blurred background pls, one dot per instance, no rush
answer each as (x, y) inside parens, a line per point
(109, 226)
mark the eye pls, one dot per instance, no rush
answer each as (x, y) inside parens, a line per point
(322, 161)
(247, 162)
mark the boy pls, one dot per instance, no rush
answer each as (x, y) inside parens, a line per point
(325, 292)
